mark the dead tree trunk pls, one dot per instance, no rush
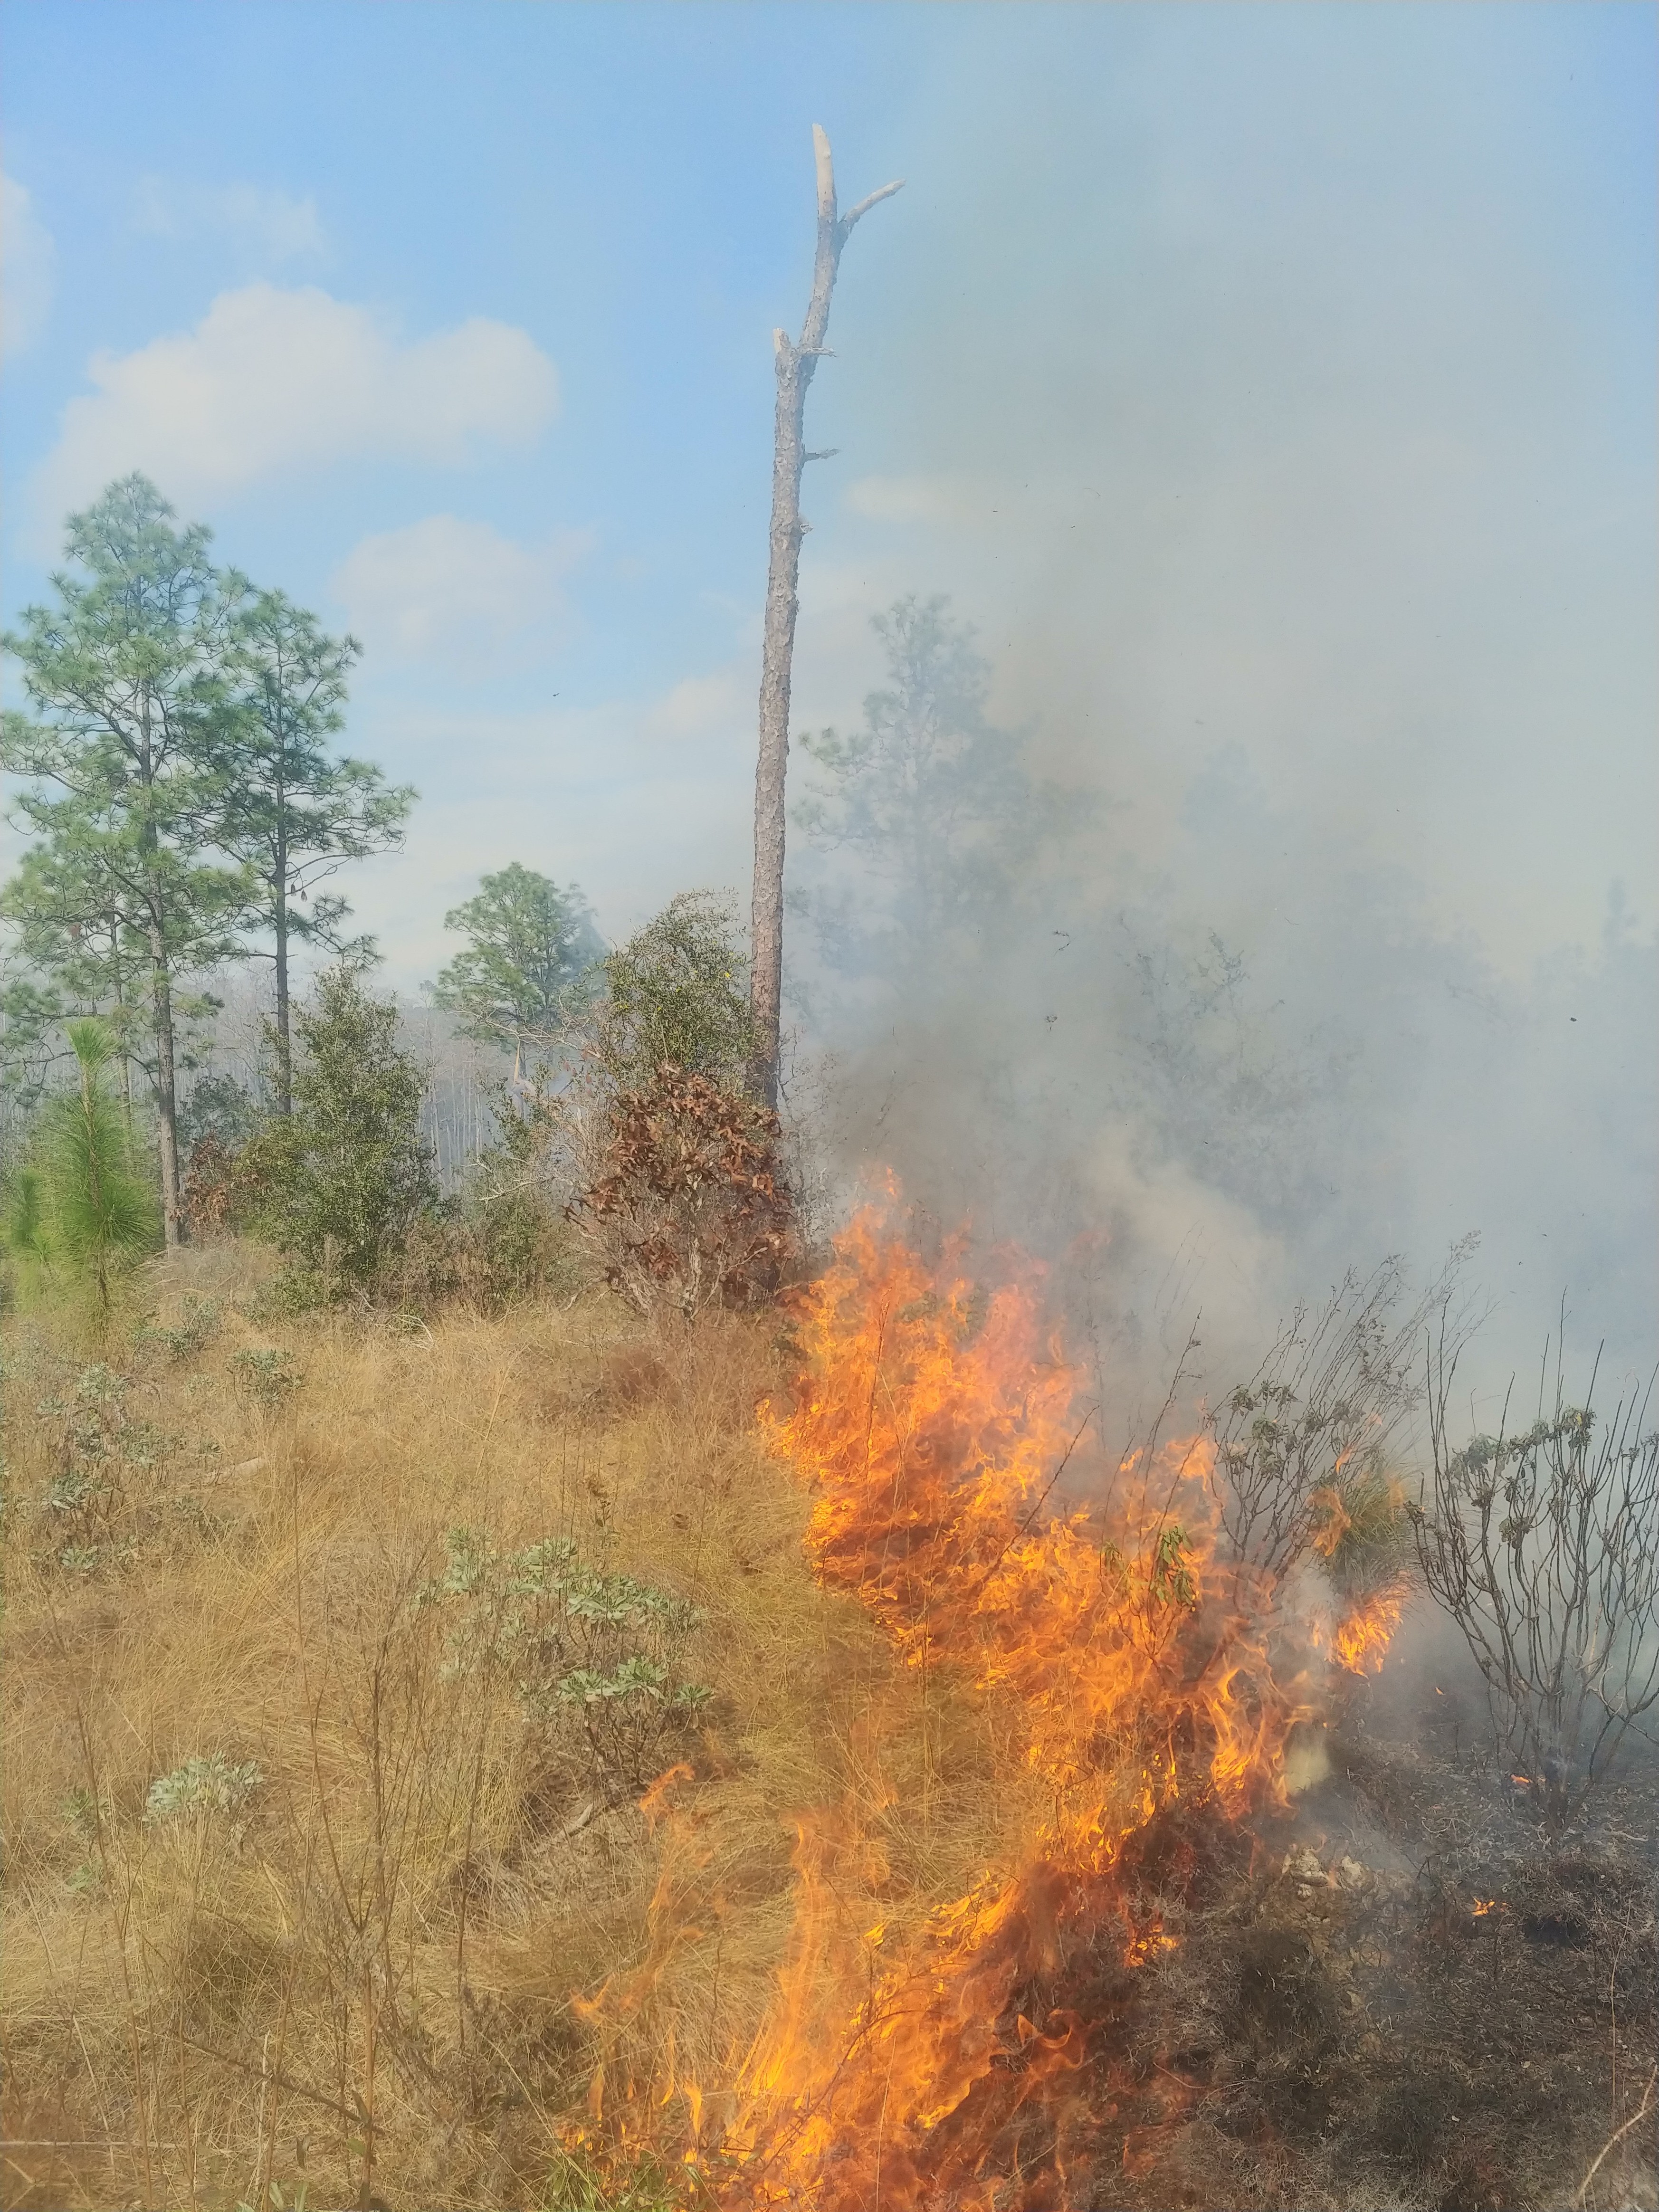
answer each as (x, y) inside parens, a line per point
(794, 366)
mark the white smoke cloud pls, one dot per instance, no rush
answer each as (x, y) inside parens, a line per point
(448, 590)
(28, 268)
(1291, 484)
(276, 380)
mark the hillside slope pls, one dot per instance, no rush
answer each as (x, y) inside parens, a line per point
(319, 1867)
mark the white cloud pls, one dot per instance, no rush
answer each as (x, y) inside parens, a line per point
(265, 221)
(703, 706)
(27, 266)
(273, 379)
(447, 589)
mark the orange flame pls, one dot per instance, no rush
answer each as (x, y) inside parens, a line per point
(1129, 1667)
(1361, 1644)
(932, 1430)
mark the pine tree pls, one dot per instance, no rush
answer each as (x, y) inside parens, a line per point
(126, 672)
(81, 1199)
(530, 945)
(930, 801)
(294, 813)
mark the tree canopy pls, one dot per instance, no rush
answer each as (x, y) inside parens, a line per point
(931, 801)
(294, 812)
(183, 796)
(126, 676)
(530, 947)
(676, 994)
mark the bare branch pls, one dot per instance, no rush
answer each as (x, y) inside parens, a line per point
(865, 204)
(824, 161)
(1618, 2134)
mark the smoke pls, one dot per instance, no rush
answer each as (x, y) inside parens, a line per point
(1271, 387)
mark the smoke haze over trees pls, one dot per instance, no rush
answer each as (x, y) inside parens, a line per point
(1268, 390)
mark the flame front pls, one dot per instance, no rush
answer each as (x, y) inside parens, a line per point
(1127, 1667)
(931, 1427)
(1361, 1643)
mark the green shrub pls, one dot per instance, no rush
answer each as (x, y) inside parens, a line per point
(201, 1322)
(507, 1235)
(337, 1183)
(268, 1374)
(576, 2184)
(579, 1645)
(95, 1444)
(679, 992)
(200, 1787)
(678, 1180)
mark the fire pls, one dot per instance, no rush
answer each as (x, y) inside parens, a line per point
(1361, 1643)
(1128, 1669)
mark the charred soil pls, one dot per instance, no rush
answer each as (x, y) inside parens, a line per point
(1407, 1991)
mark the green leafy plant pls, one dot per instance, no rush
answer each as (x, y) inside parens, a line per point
(576, 2184)
(267, 1373)
(677, 993)
(1170, 1579)
(95, 1443)
(201, 1321)
(577, 1644)
(200, 1787)
(506, 1236)
(278, 2199)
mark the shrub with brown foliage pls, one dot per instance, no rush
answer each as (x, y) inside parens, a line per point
(687, 1202)
(210, 1189)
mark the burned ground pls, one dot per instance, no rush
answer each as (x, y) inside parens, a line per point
(1411, 1993)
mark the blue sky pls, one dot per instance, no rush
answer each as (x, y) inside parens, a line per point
(1275, 379)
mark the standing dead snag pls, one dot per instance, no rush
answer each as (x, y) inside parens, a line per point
(794, 364)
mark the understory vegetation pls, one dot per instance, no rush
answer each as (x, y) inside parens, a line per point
(342, 1647)
(413, 1718)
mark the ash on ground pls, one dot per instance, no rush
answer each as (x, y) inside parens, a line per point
(1409, 1990)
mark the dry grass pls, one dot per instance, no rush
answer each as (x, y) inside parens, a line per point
(393, 1970)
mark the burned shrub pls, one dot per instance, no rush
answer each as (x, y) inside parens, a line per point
(1302, 1450)
(209, 1192)
(676, 1173)
(688, 1204)
(1544, 1548)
